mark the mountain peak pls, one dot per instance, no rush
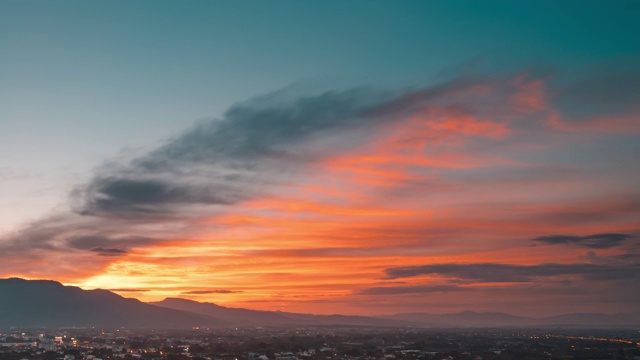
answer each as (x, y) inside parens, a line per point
(46, 303)
(17, 280)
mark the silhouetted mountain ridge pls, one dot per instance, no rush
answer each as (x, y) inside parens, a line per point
(274, 318)
(461, 319)
(46, 303)
(31, 303)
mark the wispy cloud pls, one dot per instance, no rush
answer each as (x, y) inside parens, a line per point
(109, 251)
(492, 272)
(595, 241)
(221, 162)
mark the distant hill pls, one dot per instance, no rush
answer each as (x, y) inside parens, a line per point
(35, 303)
(232, 315)
(43, 303)
(274, 318)
(462, 319)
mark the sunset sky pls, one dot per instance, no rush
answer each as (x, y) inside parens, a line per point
(354, 157)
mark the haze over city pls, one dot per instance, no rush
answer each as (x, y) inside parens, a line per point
(325, 157)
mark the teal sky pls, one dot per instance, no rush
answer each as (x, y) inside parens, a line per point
(86, 83)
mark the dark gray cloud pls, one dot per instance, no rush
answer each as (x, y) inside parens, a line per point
(628, 257)
(109, 251)
(496, 272)
(71, 239)
(205, 292)
(224, 161)
(594, 241)
(411, 289)
(266, 126)
(261, 143)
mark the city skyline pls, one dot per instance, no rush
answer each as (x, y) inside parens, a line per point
(325, 158)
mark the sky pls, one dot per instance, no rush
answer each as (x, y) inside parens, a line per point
(358, 157)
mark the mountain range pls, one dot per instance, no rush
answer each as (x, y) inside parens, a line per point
(45, 303)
